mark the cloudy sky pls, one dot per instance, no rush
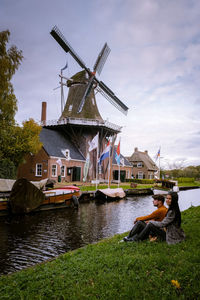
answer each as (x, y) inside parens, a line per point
(153, 67)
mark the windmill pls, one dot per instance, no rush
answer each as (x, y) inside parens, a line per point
(81, 102)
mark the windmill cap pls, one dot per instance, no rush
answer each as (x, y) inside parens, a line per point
(159, 197)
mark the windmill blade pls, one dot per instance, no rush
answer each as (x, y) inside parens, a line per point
(110, 96)
(101, 59)
(87, 92)
(59, 37)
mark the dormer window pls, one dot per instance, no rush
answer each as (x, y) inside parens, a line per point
(139, 165)
(66, 153)
(70, 107)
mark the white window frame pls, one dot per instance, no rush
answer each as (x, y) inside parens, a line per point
(151, 175)
(54, 167)
(38, 170)
(140, 175)
(139, 165)
(67, 154)
(62, 171)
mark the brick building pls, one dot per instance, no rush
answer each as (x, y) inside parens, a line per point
(143, 167)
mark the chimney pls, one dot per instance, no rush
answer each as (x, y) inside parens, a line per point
(146, 152)
(44, 113)
(136, 149)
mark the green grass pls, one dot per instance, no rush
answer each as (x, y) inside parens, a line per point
(92, 187)
(113, 270)
(125, 186)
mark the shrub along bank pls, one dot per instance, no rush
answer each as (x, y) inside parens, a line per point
(113, 270)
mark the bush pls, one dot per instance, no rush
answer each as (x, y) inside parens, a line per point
(185, 179)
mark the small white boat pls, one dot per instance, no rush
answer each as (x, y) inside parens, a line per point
(110, 194)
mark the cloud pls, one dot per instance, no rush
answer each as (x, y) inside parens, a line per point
(153, 65)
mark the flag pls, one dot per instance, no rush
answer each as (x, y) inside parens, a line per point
(59, 162)
(117, 154)
(158, 154)
(105, 153)
(94, 143)
(86, 167)
(65, 67)
(122, 161)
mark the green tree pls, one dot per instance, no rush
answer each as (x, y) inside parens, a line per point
(15, 141)
(9, 62)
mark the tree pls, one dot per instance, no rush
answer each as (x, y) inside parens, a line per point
(9, 61)
(15, 141)
(21, 140)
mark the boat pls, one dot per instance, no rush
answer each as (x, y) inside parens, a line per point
(26, 197)
(110, 194)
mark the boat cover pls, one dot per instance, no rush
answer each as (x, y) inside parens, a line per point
(25, 197)
(112, 193)
(6, 184)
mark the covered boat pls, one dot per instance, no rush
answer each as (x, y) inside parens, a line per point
(26, 197)
(110, 194)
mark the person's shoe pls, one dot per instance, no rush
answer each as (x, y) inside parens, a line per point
(121, 241)
(132, 238)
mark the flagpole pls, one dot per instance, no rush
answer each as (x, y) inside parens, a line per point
(159, 166)
(109, 170)
(118, 174)
(97, 161)
(119, 164)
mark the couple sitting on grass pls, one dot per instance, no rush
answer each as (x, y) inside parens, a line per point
(163, 223)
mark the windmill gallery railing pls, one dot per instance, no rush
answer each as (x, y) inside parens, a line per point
(77, 121)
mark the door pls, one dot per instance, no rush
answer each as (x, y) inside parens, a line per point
(76, 173)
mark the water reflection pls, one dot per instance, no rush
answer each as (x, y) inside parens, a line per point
(26, 240)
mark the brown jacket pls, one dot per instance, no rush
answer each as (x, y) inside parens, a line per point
(157, 215)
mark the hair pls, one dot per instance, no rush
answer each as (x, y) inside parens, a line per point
(159, 197)
(175, 207)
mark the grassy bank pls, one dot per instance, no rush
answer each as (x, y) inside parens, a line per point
(125, 185)
(113, 270)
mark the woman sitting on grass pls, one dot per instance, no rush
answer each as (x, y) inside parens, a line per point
(171, 223)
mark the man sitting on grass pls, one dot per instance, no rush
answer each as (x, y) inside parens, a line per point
(141, 222)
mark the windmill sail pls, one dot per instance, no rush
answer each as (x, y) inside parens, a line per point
(59, 37)
(88, 89)
(110, 96)
(101, 59)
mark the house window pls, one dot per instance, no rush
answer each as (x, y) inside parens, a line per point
(69, 171)
(63, 171)
(140, 175)
(54, 170)
(38, 170)
(151, 176)
(67, 154)
(139, 165)
(70, 107)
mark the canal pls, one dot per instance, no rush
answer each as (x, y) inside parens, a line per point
(27, 240)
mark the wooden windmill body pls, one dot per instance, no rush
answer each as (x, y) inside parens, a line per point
(80, 119)
(77, 86)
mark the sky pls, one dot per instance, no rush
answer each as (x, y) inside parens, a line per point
(153, 66)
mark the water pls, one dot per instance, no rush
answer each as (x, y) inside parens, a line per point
(27, 240)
